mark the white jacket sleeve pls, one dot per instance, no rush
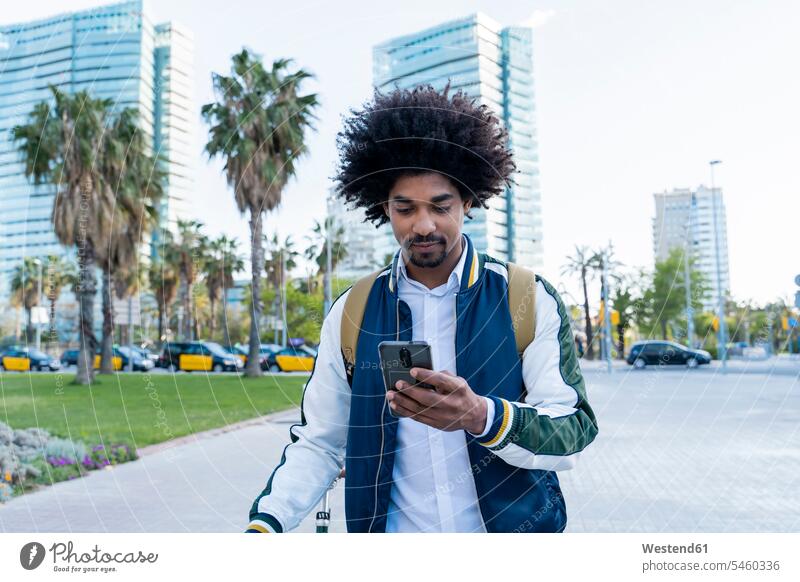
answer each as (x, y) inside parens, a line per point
(315, 456)
(555, 422)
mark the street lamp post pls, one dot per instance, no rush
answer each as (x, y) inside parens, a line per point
(687, 274)
(606, 310)
(283, 298)
(722, 349)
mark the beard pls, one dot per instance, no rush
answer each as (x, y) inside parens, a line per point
(427, 258)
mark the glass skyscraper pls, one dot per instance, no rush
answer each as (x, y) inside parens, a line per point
(695, 221)
(495, 65)
(114, 52)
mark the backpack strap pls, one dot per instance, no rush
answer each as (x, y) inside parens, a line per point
(353, 315)
(522, 304)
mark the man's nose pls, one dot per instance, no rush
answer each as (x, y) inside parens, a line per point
(424, 225)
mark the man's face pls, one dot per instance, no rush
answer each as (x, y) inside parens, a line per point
(427, 214)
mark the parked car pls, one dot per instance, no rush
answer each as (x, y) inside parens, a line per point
(198, 356)
(140, 363)
(291, 359)
(666, 353)
(240, 353)
(70, 357)
(116, 360)
(145, 354)
(24, 359)
(264, 351)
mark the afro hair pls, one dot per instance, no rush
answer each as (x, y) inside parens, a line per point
(410, 132)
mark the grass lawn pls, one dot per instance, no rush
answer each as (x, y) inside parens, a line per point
(140, 409)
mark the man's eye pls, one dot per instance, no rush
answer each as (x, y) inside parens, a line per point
(403, 210)
(442, 209)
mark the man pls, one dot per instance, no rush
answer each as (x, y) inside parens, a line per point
(478, 453)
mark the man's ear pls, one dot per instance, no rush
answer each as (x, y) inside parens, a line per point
(386, 208)
(467, 207)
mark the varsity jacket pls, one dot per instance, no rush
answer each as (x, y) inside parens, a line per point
(542, 419)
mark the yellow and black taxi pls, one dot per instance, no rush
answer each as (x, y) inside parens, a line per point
(199, 357)
(263, 354)
(292, 359)
(121, 360)
(28, 359)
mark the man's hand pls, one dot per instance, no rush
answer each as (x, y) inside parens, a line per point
(452, 406)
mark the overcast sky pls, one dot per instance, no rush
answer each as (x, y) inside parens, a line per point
(632, 98)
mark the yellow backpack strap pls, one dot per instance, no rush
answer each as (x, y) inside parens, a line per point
(522, 304)
(353, 315)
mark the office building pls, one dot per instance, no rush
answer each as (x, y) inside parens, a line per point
(694, 219)
(113, 52)
(495, 65)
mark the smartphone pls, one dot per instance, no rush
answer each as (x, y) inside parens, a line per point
(397, 359)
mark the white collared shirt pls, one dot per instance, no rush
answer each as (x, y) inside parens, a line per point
(433, 488)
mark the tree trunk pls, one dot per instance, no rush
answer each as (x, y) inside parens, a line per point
(17, 324)
(160, 321)
(212, 320)
(87, 289)
(226, 336)
(52, 333)
(185, 329)
(663, 328)
(588, 319)
(195, 325)
(621, 341)
(29, 326)
(253, 367)
(107, 348)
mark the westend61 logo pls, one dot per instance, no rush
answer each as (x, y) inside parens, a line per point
(65, 559)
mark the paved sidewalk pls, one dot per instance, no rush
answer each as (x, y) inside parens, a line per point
(204, 485)
(678, 451)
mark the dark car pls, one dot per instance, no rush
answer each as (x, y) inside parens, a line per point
(23, 359)
(198, 356)
(265, 351)
(664, 353)
(70, 357)
(140, 363)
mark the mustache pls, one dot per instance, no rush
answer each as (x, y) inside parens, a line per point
(424, 240)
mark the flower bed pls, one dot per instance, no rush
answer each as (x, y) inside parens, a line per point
(32, 457)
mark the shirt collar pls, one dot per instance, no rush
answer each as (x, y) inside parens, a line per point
(455, 274)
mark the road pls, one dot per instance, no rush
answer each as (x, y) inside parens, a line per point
(678, 451)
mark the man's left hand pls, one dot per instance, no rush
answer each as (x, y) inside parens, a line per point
(451, 406)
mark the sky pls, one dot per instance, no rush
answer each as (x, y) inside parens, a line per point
(632, 98)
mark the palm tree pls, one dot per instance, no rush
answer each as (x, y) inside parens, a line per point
(603, 259)
(317, 251)
(190, 255)
(583, 263)
(223, 262)
(136, 182)
(164, 280)
(281, 259)
(63, 143)
(60, 273)
(258, 125)
(25, 290)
